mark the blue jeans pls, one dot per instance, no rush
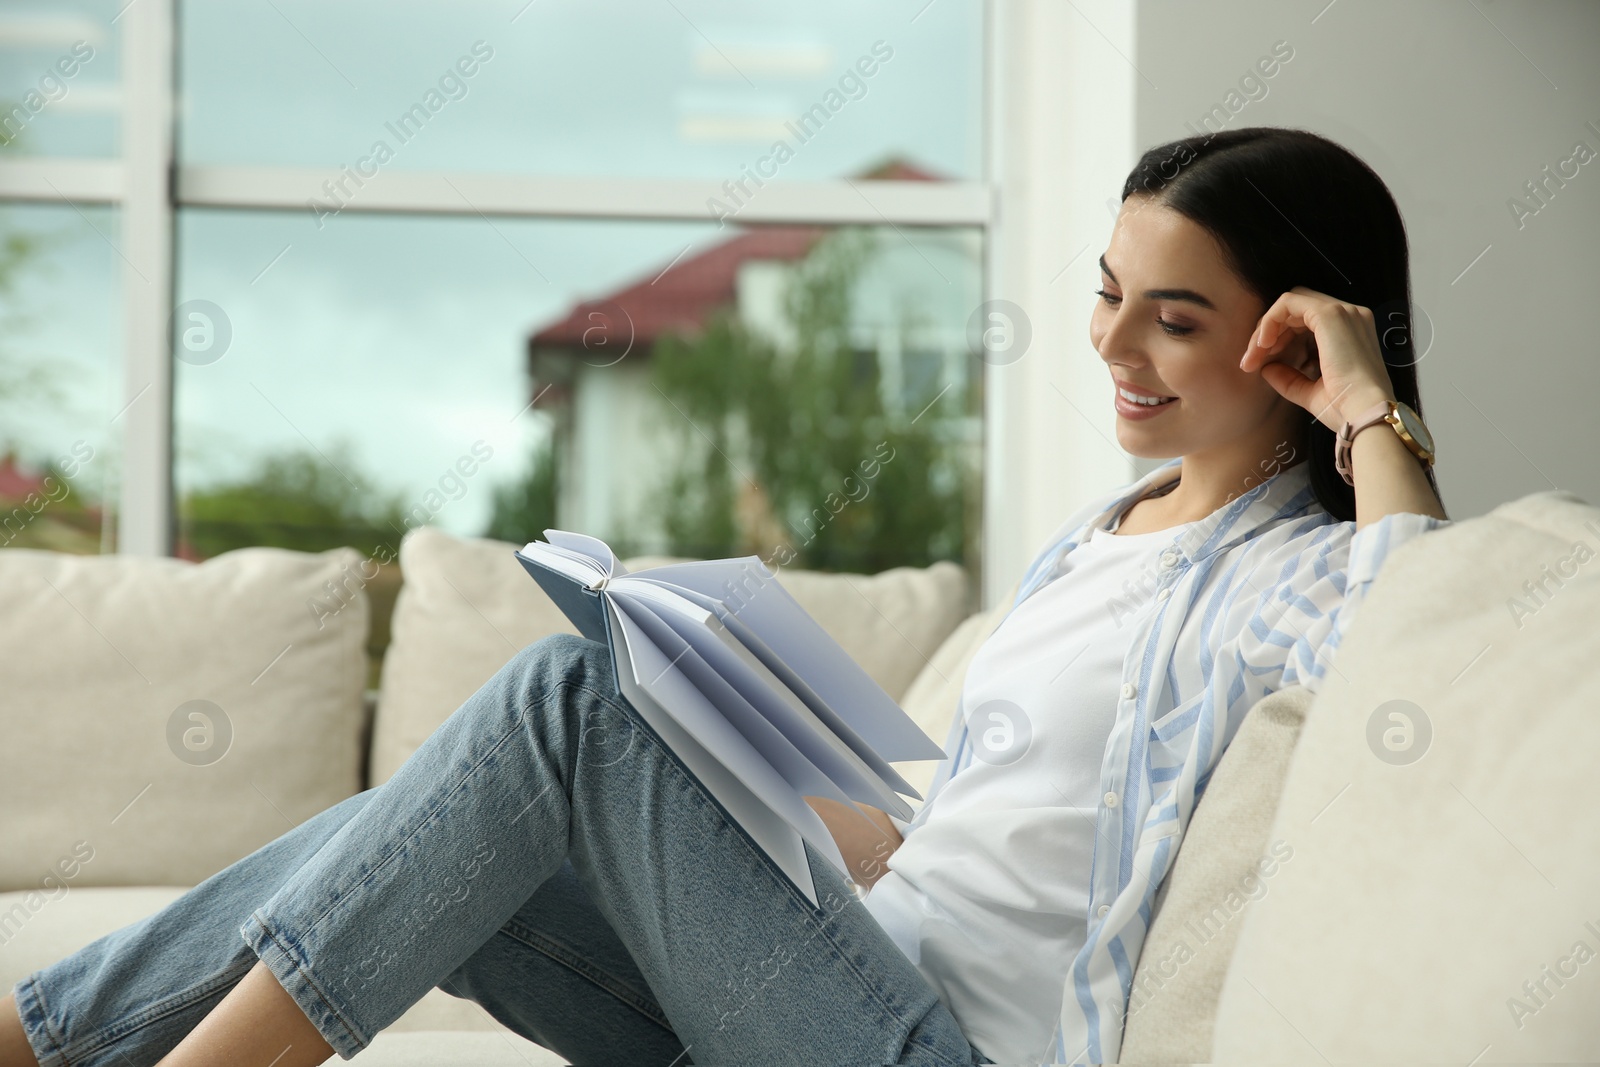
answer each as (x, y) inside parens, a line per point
(545, 855)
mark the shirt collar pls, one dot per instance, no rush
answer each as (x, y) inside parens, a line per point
(1287, 493)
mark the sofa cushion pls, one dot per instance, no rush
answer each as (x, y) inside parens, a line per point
(934, 694)
(1441, 904)
(1226, 864)
(455, 1049)
(467, 606)
(165, 718)
(891, 622)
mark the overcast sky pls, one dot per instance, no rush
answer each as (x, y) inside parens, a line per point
(405, 336)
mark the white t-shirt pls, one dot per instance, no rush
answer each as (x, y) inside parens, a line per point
(989, 894)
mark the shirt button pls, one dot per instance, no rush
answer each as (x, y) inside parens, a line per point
(1101, 911)
(1163, 593)
(1169, 558)
(1111, 800)
(1128, 689)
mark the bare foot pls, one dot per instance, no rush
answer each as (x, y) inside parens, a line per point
(14, 1048)
(256, 1025)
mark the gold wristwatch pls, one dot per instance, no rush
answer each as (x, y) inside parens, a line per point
(1406, 422)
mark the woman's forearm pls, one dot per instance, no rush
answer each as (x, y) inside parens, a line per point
(865, 845)
(1388, 477)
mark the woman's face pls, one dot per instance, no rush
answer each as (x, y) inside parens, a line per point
(1174, 322)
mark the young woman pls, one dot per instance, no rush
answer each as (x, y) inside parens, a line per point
(546, 856)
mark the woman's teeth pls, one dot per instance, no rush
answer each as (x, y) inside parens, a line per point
(1149, 401)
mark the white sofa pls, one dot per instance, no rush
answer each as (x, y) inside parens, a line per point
(1331, 901)
(116, 798)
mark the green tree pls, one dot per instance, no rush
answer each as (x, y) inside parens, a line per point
(802, 426)
(294, 499)
(525, 508)
(22, 380)
(27, 380)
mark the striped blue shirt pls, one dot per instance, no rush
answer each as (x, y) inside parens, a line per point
(1251, 599)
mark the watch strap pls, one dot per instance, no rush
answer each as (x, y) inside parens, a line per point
(1379, 412)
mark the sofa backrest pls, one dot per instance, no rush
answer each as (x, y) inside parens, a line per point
(160, 719)
(1444, 897)
(1227, 862)
(1375, 874)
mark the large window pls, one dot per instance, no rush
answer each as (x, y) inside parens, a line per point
(681, 275)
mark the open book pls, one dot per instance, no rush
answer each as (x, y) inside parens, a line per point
(746, 689)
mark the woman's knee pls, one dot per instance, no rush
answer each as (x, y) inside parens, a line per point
(573, 678)
(563, 658)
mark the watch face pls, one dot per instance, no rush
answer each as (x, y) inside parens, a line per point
(1413, 426)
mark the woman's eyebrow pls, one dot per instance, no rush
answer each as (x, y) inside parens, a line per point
(1188, 295)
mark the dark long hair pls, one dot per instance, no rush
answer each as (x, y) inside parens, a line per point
(1289, 208)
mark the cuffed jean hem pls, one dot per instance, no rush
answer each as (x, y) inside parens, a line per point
(36, 1025)
(293, 972)
(51, 1048)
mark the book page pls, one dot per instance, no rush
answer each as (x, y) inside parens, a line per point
(740, 685)
(580, 567)
(670, 689)
(591, 547)
(754, 595)
(770, 833)
(799, 753)
(749, 647)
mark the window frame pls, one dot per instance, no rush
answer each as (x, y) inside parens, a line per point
(150, 187)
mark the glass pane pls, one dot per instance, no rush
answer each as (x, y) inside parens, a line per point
(796, 392)
(690, 89)
(60, 80)
(60, 376)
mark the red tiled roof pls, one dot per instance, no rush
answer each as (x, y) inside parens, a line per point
(681, 297)
(898, 170)
(684, 295)
(16, 484)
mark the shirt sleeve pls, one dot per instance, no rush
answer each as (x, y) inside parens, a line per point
(1304, 618)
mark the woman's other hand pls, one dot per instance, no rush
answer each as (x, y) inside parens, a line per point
(866, 841)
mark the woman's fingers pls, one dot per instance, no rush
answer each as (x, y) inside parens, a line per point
(1343, 345)
(1293, 312)
(1291, 384)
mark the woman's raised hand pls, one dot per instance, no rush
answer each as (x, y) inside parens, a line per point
(1347, 372)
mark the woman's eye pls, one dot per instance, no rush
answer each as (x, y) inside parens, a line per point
(1172, 329)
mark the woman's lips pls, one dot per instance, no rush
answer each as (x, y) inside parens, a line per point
(1131, 409)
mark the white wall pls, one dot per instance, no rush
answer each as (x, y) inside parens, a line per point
(1456, 105)
(1061, 122)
